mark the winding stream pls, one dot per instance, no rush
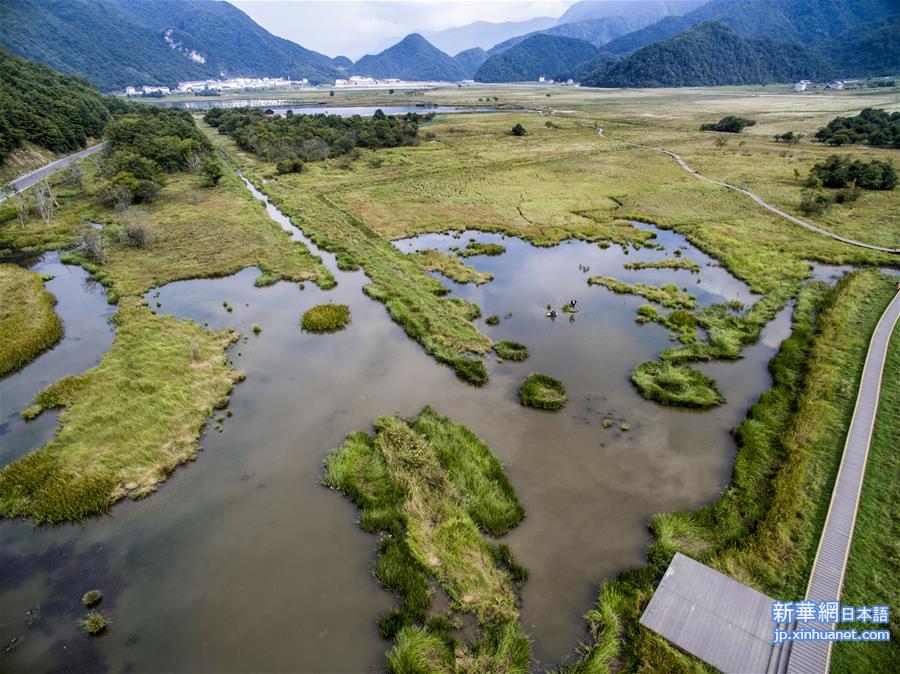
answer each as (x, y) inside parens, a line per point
(243, 562)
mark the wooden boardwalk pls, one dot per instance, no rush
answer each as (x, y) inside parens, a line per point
(826, 582)
(728, 624)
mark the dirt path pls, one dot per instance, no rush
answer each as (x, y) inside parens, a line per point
(787, 216)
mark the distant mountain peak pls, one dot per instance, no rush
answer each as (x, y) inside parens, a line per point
(412, 58)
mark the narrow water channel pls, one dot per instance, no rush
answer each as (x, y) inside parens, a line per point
(243, 562)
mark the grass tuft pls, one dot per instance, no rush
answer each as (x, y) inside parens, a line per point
(675, 384)
(326, 318)
(511, 350)
(542, 392)
(94, 623)
(92, 597)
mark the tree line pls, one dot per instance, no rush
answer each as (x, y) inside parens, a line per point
(54, 111)
(145, 143)
(872, 126)
(312, 137)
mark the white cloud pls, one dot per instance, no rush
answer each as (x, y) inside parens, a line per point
(354, 27)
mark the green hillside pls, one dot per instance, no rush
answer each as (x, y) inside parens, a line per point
(114, 43)
(470, 60)
(539, 55)
(711, 54)
(870, 49)
(54, 111)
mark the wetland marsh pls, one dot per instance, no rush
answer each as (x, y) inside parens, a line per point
(242, 560)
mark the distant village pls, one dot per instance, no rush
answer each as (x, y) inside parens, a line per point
(838, 85)
(214, 87)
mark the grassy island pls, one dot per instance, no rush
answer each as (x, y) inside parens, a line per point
(435, 489)
(28, 320)
(121, 434)
(543, 392)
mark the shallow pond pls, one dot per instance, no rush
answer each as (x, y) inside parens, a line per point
(242, 561)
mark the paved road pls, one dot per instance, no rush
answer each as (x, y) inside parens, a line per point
(830, 565)
(757, 199)
(24, 182)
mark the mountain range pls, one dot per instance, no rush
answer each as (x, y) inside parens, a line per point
(629, 43)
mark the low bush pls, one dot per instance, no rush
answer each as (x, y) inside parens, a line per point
(729, 124)
(289, 166)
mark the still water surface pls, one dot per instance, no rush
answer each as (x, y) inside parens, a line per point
(243, 562)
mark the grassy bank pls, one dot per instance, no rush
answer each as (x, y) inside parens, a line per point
(127, 423)
(192, 231)
(28, 321)
(671, 263)
(668, 295)
(764, 529)
(450, 266)
(874, 562)
(434, 488)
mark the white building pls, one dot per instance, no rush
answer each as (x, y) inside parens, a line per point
(802, 85)
(130, 91)
(541, 79)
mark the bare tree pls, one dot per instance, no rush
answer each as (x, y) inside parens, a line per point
(92, 246)
(121, 197)
(193, 162)
(21, 207)
(76, 175)
(45, 201)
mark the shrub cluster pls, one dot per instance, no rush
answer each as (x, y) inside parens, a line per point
(312, 137)
(841, 171)
(872, 126)
(145, 143)
(729, 124)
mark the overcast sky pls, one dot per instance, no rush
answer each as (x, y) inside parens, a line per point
(354, 28)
